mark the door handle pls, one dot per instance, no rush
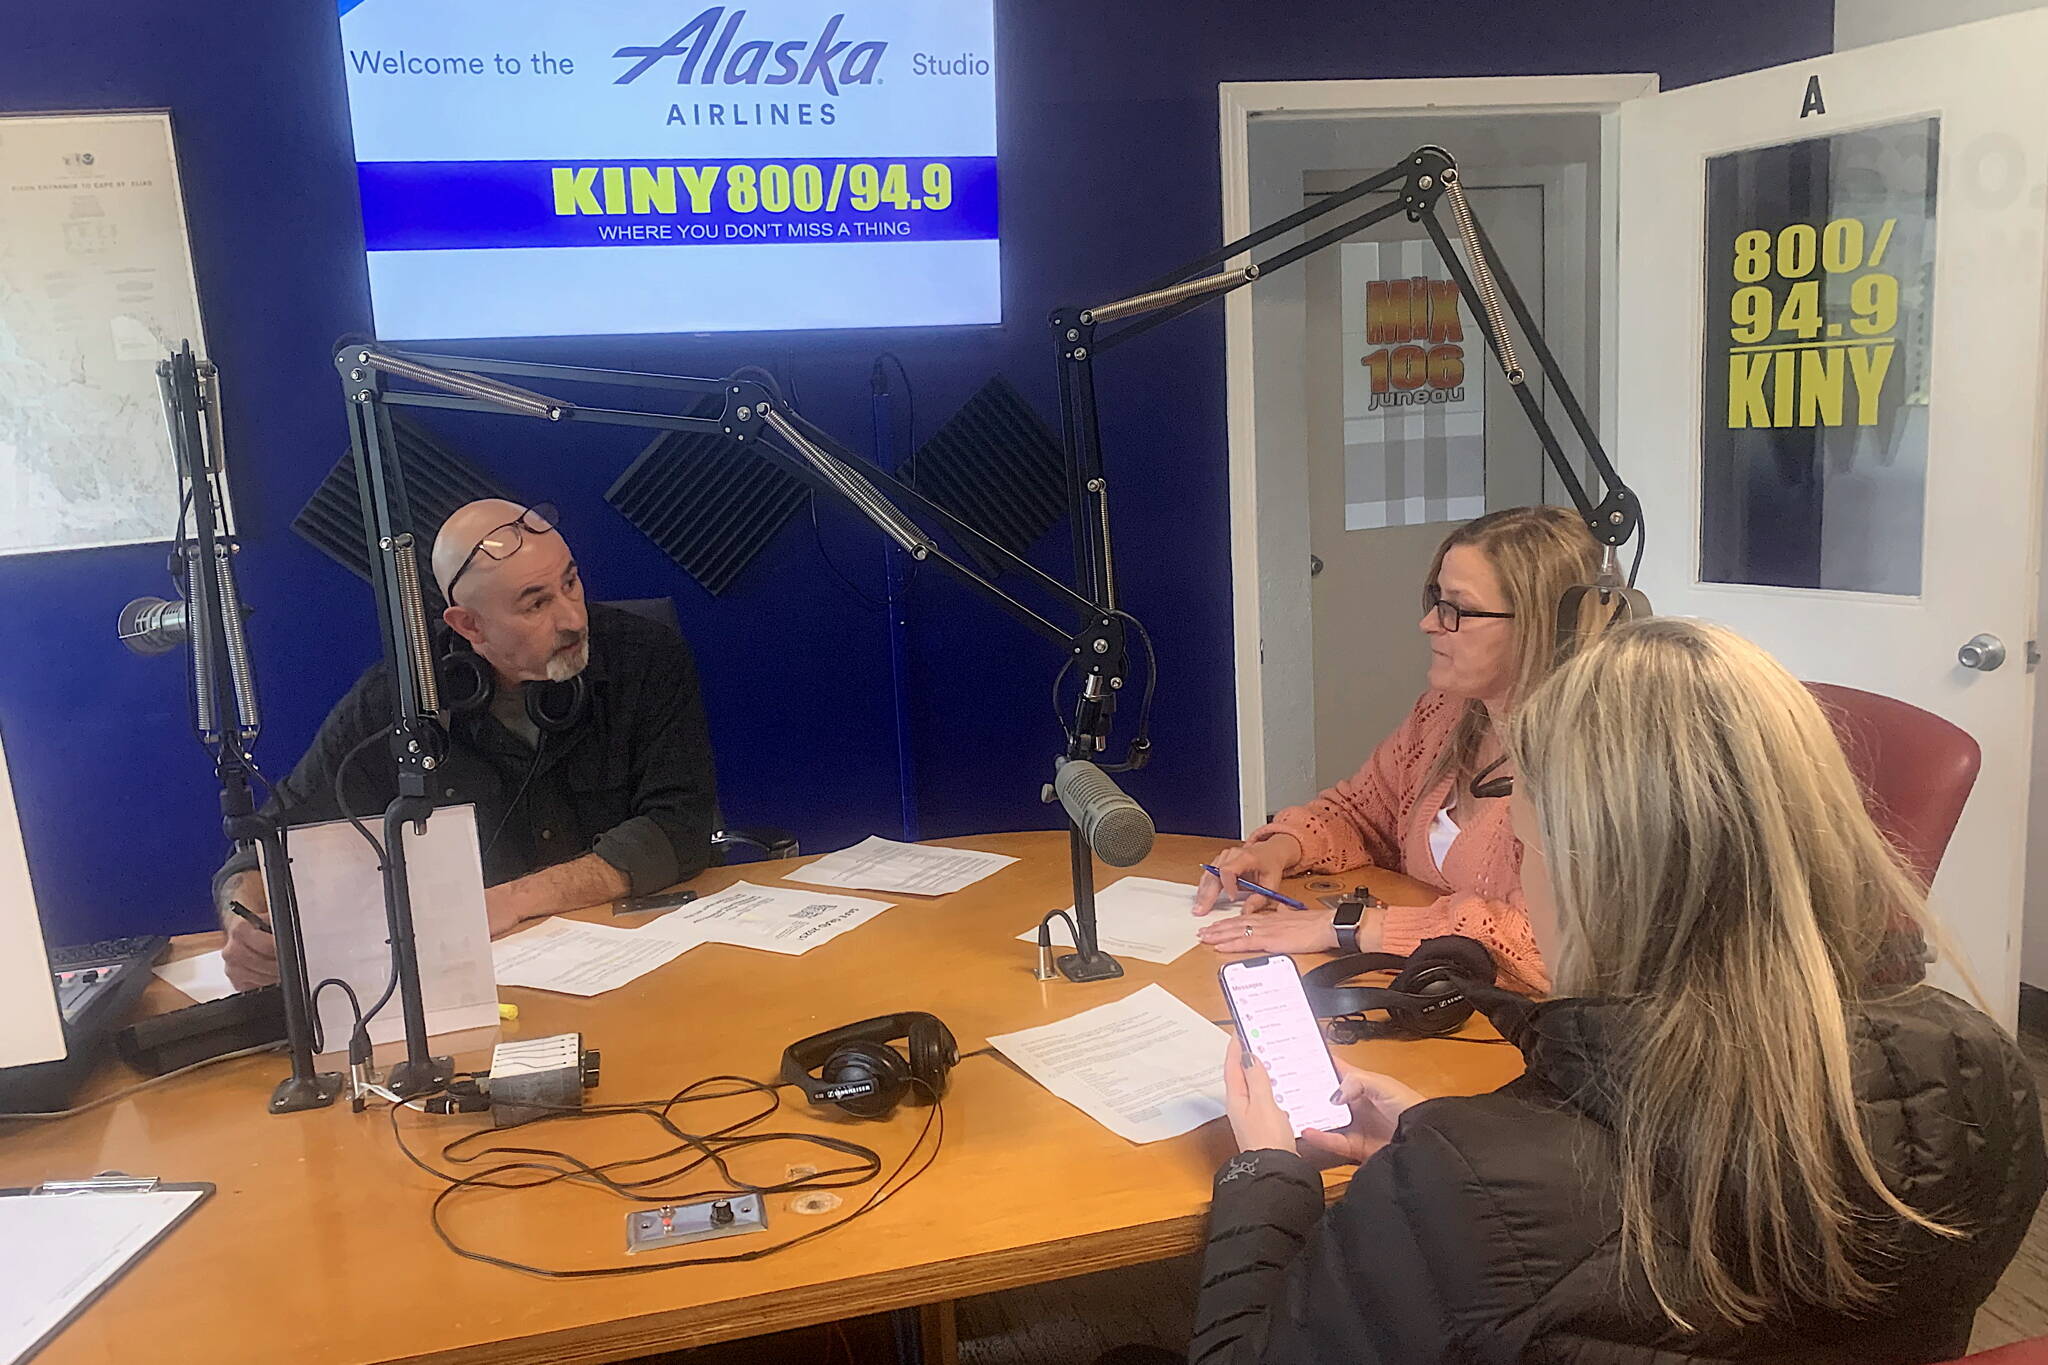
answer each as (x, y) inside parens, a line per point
(1315, 565)
(1983, 653)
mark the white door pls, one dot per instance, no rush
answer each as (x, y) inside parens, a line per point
(1830, 391)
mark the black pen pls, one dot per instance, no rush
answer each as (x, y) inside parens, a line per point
(659, 901)
(237, 908)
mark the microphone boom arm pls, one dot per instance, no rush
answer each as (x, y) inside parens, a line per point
(1419, 182)
(225, 712)
(749, 415)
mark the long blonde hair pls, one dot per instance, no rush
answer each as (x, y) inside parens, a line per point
(1536, 553)
(1711, 856)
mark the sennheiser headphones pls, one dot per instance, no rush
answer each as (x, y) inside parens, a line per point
(468, 682)
(855, 1067)
(1426, 997)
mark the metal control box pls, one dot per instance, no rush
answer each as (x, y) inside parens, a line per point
(647, 1229)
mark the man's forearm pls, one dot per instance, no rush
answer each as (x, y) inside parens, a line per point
(588, 880)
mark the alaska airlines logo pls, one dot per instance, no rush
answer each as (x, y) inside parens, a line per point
(705, 53)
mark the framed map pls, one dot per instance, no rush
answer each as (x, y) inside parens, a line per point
(96, 287)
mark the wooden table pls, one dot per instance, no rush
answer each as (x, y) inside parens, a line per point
(317, 1247)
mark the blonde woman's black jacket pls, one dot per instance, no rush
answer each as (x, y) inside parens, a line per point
(1487, 1231)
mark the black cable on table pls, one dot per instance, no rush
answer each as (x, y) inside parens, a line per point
(136, 1089)
(536, 1167)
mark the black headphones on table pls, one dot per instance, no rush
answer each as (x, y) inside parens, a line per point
(467, 684)
(1426, 998)
(855, 1067)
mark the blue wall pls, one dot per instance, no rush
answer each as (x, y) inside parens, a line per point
(1109, 175)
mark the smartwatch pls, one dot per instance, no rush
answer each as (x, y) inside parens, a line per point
(1350, 910)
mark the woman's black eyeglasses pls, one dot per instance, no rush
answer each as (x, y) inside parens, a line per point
(1449, 614)
(502, 542)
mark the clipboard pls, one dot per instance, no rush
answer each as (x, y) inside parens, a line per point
(98, 1235)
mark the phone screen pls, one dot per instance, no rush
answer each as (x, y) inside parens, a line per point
(1277, 1026)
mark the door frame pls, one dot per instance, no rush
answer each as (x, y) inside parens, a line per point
(1239, 102)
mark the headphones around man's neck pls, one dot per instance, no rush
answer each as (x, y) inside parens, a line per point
(468, 682)
(1425, 999)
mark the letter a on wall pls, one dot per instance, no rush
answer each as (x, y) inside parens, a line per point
(1813, 104)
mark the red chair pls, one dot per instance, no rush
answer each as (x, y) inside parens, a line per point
(1916, 769)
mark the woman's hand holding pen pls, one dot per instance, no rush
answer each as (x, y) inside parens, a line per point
(1250, 870)
(1264, 861)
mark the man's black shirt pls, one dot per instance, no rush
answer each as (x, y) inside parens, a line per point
(631, 781)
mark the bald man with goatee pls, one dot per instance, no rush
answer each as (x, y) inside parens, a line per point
(585, 750)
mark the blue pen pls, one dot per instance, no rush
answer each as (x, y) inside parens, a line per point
(1257, 890)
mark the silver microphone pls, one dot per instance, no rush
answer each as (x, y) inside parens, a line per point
(1115, 826)
(1585, 611)
(151, 626)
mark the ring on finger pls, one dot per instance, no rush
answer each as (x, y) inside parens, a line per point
(1247, 931)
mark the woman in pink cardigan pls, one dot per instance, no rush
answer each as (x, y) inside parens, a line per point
(1432, 801)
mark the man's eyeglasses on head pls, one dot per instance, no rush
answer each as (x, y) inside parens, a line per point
(502, 542)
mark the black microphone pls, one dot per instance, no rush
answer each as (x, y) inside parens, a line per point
(1115, 826)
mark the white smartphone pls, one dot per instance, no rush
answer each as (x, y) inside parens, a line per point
(1276, 1026)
